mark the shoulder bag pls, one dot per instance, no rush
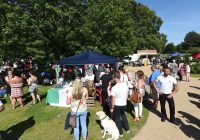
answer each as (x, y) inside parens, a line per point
(72, 119)
(135, 97)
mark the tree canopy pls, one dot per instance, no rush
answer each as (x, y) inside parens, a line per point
(191, 40)
(51, 29)
(170, 48)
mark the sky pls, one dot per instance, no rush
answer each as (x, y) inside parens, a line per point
(179, 17)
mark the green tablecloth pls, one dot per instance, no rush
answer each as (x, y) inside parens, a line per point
(52, 95)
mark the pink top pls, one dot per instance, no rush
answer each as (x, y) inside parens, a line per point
(16, 89)
(141, 86)
(187, 68)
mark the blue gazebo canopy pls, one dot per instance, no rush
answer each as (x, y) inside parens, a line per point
(87, 57)
(174, 54)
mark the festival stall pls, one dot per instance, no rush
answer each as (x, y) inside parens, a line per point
(57, 96)
(196, 56)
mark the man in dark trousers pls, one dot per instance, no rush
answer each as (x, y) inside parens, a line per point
(119, 94)
(104, 80)
(168, 88)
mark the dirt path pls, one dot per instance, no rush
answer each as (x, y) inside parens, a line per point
(187, 103)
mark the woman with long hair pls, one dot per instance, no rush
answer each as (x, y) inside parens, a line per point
(140, 87)
(16, 84)
(33, 87)
(77, 99)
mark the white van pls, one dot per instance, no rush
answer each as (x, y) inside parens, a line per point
(136, 59)
(132, 59)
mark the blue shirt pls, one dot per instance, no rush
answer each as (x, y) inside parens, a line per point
(154, 76)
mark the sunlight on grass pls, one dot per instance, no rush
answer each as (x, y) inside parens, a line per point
(195, 75)
(40, 121)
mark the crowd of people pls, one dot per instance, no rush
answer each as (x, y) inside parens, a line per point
(15, 82)
(117, 87)
(13, 77)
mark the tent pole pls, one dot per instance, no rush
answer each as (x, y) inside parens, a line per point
(57, 73)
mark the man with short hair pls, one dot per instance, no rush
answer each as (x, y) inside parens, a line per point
(155, 73)
(167, 90)
(174, 68)
(119, 94)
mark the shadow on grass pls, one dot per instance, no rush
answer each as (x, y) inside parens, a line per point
(189, 130)
(149, 105)
(16, 131)
(88, 119)
(80, 129)
(196, 103)
(43, 96)
(99, 123)
(193, 95)
(130, 108)
(27, 97)
(195, 87)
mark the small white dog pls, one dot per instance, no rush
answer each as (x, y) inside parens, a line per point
(109, 126)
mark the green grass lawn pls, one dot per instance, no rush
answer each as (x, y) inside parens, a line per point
(195, 75)
(40, 122)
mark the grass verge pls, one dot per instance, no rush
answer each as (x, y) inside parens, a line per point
(195, 75)
(40, 121)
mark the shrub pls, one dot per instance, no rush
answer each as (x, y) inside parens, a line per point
(178, 59)
(194, 50)
(187, 59)
(195, 68)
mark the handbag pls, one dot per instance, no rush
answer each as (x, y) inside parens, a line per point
(135, 97)
(72, 118)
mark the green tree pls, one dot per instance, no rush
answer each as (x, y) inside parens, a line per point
(192, 39)
(194, 50)
(53, 29)
(169, 48)
(187, 59)
(147, 28)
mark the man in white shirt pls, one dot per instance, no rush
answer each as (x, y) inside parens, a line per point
(166, 91)
(119, 101)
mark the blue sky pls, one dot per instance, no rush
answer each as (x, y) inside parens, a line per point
(179, 17)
